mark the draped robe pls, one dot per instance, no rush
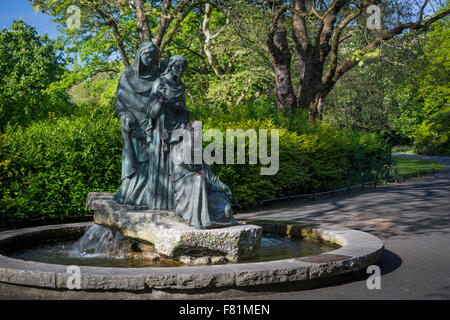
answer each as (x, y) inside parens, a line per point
(132, 99)
(168, 112)
(200, 197)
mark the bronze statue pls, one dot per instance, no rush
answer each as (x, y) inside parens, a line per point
(132, 97)
(200, 197)
(151, 108)
(167, 112)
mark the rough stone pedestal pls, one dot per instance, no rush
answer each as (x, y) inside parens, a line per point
(170, 235)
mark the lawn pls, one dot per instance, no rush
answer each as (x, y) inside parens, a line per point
(403, 149)
(408, 166)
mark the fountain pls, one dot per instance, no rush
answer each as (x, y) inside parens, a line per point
(169, 230)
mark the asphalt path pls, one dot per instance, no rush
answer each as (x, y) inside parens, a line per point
(411, 218)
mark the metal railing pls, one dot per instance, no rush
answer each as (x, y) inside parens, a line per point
(306, 197)
(337, 192)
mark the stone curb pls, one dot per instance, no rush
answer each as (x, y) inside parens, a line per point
(359, 250)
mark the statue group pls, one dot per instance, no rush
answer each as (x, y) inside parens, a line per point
(151, 105)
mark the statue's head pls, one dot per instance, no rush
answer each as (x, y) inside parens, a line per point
(177, 65)
(148, 53)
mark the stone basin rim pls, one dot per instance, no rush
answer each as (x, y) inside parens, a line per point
(359, 250)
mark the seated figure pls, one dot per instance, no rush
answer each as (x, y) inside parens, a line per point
(200, 197)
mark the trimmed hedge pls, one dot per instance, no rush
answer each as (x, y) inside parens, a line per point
(47, 169)
(322, 159)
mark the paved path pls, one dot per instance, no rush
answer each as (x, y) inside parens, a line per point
(412, 219)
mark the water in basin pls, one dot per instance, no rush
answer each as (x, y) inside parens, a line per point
(90, 250)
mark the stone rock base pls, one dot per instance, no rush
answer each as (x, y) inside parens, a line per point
(129, 248)
(133, 249)
(170, 236)
(198, 261)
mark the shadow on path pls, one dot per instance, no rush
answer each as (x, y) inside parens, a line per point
(390, 262)
(419, 206)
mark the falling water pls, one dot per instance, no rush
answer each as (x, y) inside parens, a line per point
(93, 242)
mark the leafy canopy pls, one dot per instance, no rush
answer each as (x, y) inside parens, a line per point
(29, 63)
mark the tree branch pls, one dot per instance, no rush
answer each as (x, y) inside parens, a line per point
(111, 22)
(421, 11)
(142, 27)
(179, 14)
(346, 66)
(336, 40)
(327, 27)
(218, 70)
(164, 22)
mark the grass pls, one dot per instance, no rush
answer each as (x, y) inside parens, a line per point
(408, 166)
(403, 149)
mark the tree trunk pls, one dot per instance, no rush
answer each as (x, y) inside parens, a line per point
(142, 27)
(314, 86)
(281, 62)
(315, 109)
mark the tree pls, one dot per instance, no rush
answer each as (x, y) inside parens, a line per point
(380, 96)
(232, 39)
(432, 136)
(315, 32)
(29, 63)
(204, 31)
(318, 29)
(121, 25)
(109, 32)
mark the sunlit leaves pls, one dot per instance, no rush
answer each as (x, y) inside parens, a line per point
(28, 64)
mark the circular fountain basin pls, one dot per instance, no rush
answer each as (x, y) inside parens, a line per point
(273, 247)
(33, 279)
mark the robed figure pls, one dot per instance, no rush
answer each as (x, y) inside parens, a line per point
(167, 112)
(132, 100)
(201, 199)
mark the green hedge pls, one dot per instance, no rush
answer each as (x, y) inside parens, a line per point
(322, 159)
(47, 169)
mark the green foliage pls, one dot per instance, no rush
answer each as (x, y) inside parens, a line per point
(243, 72)
(403, 94)
(28, 64)
(435, 72)
(319, 159)
(100, 89)
(379, 96)
(432, 136)
(47, 169)
(403, 149)
(92, 48)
